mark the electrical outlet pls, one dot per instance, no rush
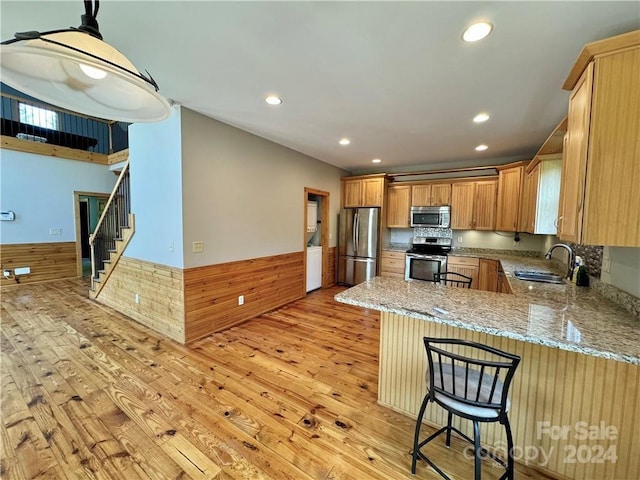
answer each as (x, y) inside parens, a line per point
(136, 298)
(55, 231)
(241, 300)
(459, 239)
(171, 246)
(606, 264)
(198, 247)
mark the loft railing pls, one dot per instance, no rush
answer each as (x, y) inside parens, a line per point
(114, 218)
(34, 121)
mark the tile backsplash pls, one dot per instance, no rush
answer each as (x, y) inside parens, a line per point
(591, 256)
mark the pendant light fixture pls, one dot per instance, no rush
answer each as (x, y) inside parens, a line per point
(74, 69)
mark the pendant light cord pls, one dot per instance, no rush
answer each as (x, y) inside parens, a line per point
(89, 22)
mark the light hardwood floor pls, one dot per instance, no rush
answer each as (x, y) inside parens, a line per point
(88, 393)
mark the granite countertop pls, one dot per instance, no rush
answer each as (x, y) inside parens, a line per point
(563, 316)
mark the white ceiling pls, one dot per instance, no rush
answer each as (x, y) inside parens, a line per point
(394, 77)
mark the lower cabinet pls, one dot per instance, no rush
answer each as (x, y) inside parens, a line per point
(468, 266)
(488, 275)
(392, 264)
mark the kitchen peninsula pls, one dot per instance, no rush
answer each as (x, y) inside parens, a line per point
(580, 368)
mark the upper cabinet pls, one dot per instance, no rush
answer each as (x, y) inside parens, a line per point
(541, 192)
(434, 194)
(473, 205)
(541, 187)
(367, 191)
(398, 206)
(600, 174)
(510, 183)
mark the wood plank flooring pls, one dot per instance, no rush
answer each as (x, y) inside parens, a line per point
(88, 393)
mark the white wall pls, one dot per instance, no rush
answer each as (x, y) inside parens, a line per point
(155, 160)
(40, 190)
(243, 195)
(625, 269)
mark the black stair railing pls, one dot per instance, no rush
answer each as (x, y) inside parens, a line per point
(114, 218)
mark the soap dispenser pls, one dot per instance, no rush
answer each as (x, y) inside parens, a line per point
(582, 278)
(576, 266)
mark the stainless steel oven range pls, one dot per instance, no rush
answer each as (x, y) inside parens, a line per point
(426, 257)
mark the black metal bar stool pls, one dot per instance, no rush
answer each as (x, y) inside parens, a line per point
(452, 279)
(470, 380)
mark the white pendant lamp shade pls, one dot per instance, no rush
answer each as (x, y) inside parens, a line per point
(76, 81)
(77, 71)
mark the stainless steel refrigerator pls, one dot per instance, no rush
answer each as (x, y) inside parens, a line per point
(357, 245)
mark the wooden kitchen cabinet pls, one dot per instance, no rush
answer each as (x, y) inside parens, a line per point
(527, 201)
(600, 175)
(367, 191)
(441, 194)
(468, 266)
(392, 264)
(488, 275)
(398, 206)
(574, 160)
(510, 182)
(473, 205)
(434, 194)
(462, 196)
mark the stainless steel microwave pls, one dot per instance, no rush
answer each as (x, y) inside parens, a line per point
(437, 217)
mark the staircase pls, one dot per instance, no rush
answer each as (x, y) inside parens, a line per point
(112, 234)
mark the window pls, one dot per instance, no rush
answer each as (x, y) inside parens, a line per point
(37, 116)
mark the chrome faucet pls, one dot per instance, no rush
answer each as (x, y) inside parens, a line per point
(571, 256)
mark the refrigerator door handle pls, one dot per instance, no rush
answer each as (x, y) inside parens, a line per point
(356, 227)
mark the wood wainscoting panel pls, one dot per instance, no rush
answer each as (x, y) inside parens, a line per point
(211, 292)
(330, 271)
(572, 414)
(160, 295)
(48, 261)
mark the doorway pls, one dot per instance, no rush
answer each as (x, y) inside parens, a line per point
(316, 239)
(88, 208)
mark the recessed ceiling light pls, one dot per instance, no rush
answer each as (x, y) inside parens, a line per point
(481, 148)
(344, 141)
(273, 100)
(376, 160)
(481, 117)
(477, 31)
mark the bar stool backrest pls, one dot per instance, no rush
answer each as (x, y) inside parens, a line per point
(452, 279)
(471, 373)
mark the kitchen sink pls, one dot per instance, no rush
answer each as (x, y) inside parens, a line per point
(545, 277)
